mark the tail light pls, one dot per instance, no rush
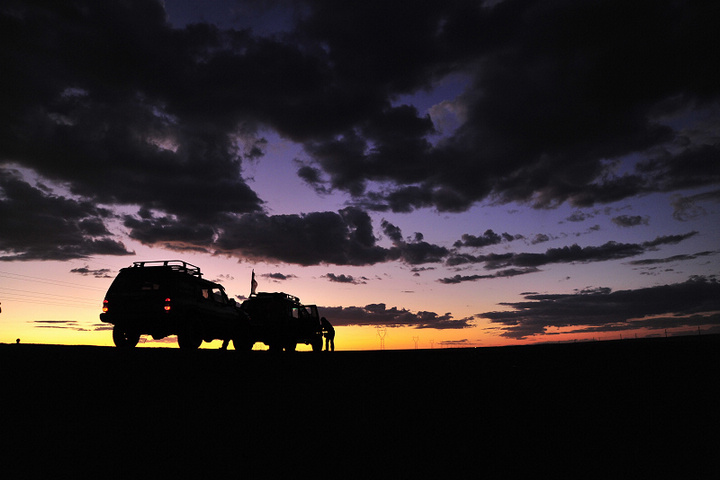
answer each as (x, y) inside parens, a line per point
(105, 306)
(167, 305)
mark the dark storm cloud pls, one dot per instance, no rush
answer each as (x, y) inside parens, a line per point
(100, 97)
(342, 238)
(379, 315)
(552, 96)
(695, 166)
(180, 234)
(38, 225)
(113, 102)
(692, 303)
(107, 98)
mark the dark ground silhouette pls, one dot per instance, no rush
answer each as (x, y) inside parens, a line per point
(613, 409)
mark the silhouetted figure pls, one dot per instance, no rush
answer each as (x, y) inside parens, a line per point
(17, 341)
(225, 344)
(329, 333)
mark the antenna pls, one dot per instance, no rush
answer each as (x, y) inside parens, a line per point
(416, 339)
(381, 331)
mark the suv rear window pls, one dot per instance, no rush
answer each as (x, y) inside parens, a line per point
(139, 281)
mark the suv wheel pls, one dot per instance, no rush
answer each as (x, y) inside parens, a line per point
(189, 340)
(124, 338)
(242, 344)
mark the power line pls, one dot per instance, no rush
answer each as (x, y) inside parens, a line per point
(50, 302)
(42, 294)
(18, 297)
(58, 283)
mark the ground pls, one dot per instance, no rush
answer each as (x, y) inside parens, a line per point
(613, 409)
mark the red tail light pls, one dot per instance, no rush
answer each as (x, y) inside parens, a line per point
(105, 306)
(167, 305)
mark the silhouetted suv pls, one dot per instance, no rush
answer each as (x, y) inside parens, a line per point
(170, 297)
(281, 322)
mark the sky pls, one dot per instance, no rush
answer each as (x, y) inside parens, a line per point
(431, 174)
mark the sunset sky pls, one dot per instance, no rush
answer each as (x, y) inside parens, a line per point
(443, 173)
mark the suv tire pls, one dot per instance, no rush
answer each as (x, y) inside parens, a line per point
(189, 340)
(123, 338)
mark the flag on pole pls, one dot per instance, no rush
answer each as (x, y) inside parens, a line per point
(253, 284)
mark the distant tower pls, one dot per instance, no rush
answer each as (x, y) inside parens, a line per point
(416, 340)
(381, 331)
(432, 343)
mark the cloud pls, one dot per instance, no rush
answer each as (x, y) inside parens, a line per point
(379, 315)
(415, 251)
(346, 237)
(692, 167)
(487, 238)
(568, 254)
(278, 276)
(345, 279)
(686, 207)
(630, 220)
(578, 98)
(674, 258)
(578, 216)
(692, 303)
(60, 324)
(114, 111)
(340, 238)
(112, 102)
(38, 225)
(98, 273)
(510, 272)
(540, 238)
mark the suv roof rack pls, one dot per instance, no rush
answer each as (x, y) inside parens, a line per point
(281, 295)
(175, 265)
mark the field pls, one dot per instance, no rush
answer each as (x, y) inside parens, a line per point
(613, 409)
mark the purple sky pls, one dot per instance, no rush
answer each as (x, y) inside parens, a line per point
(514, 171)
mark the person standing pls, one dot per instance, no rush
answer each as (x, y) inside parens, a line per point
(329, 333)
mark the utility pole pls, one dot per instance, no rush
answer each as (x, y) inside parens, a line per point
(381, 331)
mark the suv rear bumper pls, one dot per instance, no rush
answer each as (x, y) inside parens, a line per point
(156, 325)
